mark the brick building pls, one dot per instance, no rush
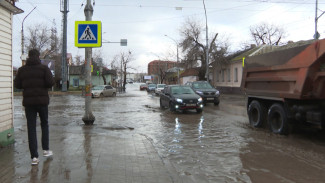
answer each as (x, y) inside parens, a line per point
(158, 68)
(154, 67)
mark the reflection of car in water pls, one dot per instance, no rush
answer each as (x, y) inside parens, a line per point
(206, 91)
(176, 97)
(159, 88)
(103, 91)
(151, 87)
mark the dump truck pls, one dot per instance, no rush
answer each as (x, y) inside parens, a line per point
(286, 86)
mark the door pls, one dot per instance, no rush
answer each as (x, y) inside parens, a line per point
(165, 96)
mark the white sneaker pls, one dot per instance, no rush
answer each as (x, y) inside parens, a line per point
(35, 161)
(47, 153)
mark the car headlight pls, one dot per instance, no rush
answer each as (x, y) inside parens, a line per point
(179, 100)
(200, 99)
(217, 92)
(199, 92)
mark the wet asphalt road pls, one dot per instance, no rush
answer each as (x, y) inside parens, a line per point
(215, 146)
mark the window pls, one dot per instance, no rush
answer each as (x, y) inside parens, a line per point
(228, 75)
(75, 82)
(236, 74)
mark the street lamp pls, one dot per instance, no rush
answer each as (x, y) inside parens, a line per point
(176, 58)
(22, 34)
(207, 44)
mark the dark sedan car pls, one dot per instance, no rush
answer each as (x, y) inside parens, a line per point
(143, 87)
(206, 91)
(176, 97)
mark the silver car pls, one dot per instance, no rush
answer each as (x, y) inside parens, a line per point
(159, 88)
(103, 91)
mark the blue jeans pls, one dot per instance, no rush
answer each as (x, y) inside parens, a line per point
(31, 115)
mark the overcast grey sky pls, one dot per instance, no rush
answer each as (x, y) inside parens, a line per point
(145, 22)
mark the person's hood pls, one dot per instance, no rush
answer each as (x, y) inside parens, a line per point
(31, 61)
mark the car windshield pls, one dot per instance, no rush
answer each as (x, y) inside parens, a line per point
(98, 88)
(161, 86)
(202, 85)
(182, 90)
(152, 85)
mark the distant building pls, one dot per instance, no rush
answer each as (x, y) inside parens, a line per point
(7, 10)
(98, 76)
(154, 67)
(158, 68)
(189, 75)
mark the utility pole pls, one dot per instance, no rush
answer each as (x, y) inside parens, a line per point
(64, 46)
(317, 35)
(88, 118)
(207, 44)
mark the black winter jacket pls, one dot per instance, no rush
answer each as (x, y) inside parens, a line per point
(35, 79)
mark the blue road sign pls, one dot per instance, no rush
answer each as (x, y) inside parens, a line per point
(88, 34)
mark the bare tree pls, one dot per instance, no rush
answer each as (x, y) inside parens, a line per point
(78, 60)
(44, 39)
(265, 33)
(121, 63)
(193, 46)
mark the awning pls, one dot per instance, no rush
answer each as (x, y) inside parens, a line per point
(11, 7)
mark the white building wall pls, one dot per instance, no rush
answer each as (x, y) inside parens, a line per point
(225, 77)
(6, 73)
(188, 79)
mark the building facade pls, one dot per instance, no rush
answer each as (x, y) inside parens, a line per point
(157, 69)
(77, 78)
(228, 77)
(7, 10)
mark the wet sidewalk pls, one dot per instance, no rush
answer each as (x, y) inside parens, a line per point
(84, 154)
(103, 152)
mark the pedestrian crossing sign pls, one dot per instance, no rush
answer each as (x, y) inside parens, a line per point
(88, 34)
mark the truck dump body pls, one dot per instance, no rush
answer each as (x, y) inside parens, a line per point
(293, 73)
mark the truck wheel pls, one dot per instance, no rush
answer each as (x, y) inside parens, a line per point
(278, 120)
(256, 113)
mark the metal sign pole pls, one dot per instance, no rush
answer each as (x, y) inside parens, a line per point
(64, 49)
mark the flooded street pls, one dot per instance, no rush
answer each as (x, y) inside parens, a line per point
(217, 145)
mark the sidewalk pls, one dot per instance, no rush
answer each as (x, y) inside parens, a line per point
(86, 154)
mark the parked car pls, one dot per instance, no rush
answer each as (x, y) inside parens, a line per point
(159, 88)
(143, 87)
(179, 98)
(103, 91)
(208, 93)
(151, 87)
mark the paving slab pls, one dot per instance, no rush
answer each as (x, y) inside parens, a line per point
(85, 156)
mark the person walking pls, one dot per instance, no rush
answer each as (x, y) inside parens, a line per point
(35, 79)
